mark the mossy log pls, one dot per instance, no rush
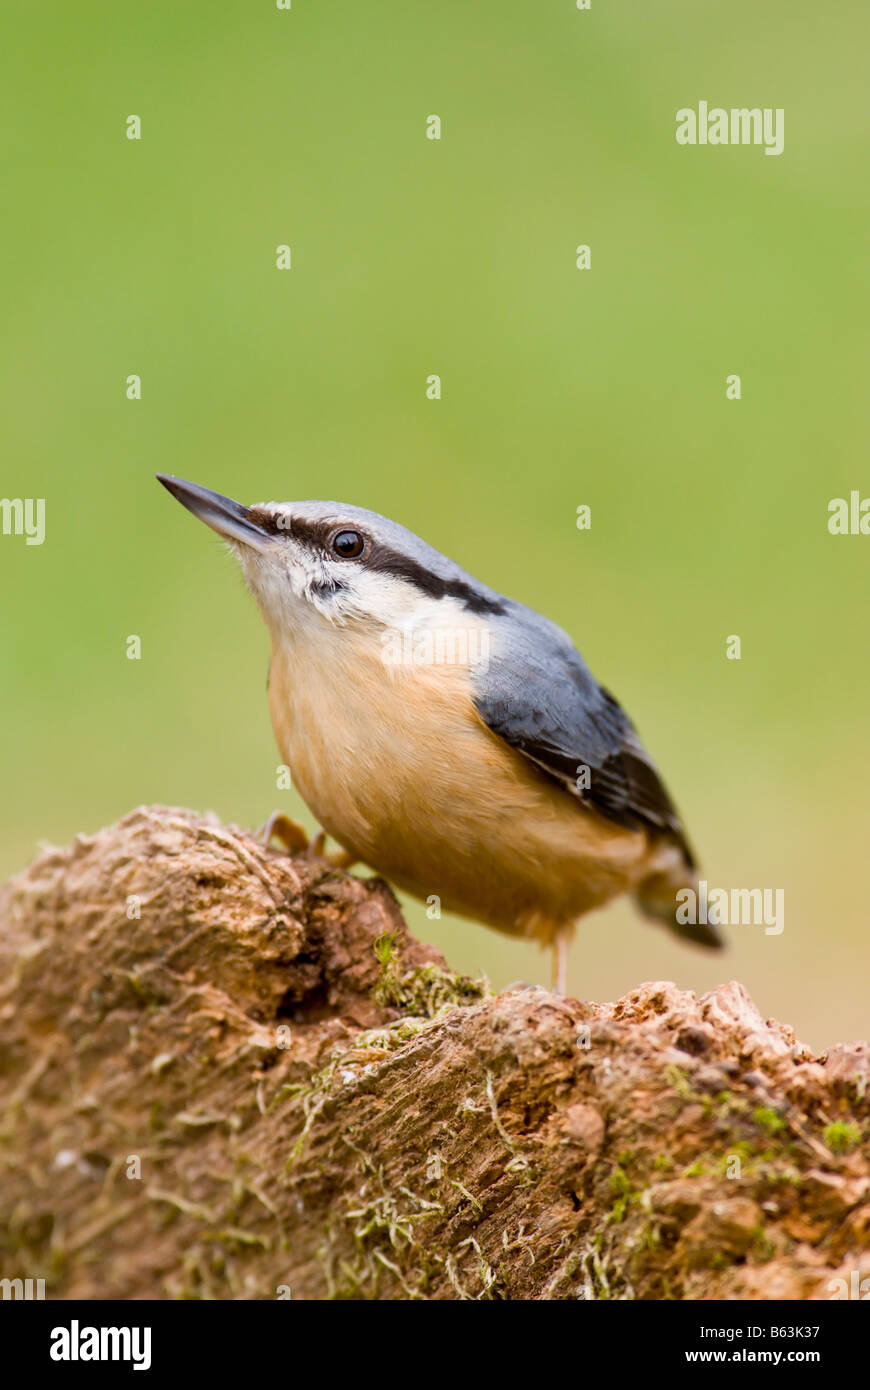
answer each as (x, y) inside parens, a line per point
(226, 1072)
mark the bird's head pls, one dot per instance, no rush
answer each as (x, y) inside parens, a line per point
(310, 563)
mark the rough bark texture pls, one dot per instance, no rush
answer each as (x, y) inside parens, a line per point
(263, 1087)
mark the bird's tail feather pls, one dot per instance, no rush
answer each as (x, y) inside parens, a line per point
(656, 896)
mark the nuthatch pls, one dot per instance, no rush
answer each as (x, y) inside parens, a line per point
(449, 737)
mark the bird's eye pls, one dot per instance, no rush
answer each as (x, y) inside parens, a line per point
(348, 545)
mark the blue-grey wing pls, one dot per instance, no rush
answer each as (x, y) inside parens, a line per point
(537, 693)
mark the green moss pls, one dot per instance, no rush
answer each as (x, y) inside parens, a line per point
(424, 994)
(842, 1136)
(769, 1120)
(383, 1040)
(698, 1169)
(620, 1182)
(677, 1078)
(651, 1237)
(596, 1271)
(426, 991)
(234, 1235)
(390, 1234)
(385, 949)
(625, 1193)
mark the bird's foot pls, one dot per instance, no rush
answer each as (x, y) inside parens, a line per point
(337, 858)
(292, 835)
(294, 838)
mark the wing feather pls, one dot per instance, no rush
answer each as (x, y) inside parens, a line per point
(537, 693)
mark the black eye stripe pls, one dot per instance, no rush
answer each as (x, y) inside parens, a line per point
(319, 535)
(381, 558)
(270, 522)
(387, 561)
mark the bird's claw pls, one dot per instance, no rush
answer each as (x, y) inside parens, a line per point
(294, 838)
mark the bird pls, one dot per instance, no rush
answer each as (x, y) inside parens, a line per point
(450, 738)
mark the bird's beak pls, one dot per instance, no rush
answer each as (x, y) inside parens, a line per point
(230, 519)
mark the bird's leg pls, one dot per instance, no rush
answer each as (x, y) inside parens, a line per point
(292, 835)
(561, 942)
(295, 840)
(338, 858)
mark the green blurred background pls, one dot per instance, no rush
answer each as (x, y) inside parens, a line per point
(411, 257)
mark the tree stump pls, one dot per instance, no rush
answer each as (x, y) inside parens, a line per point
(226, 1072)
